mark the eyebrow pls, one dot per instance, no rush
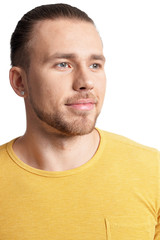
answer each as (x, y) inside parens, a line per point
(73, 56)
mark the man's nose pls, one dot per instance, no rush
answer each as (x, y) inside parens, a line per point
(83, 80)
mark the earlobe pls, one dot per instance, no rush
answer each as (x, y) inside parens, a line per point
(16, 77)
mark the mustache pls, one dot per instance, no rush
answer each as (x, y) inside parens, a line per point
(80, 96)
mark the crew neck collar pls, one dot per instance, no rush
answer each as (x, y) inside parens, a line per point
(65, 173)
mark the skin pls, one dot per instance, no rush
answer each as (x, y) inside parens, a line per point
(64, 92)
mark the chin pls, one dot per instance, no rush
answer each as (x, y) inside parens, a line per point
(76, 129)
(82, 131)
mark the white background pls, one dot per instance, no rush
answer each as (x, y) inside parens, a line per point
(130, 30)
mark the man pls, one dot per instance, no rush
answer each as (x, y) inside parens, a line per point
(64, 178)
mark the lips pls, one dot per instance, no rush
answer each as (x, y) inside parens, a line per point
(82, 104)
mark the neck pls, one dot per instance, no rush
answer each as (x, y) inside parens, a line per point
(55, 152)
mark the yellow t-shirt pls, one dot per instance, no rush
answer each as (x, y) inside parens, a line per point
(115, 196)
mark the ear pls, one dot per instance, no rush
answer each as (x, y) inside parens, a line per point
(17, 78)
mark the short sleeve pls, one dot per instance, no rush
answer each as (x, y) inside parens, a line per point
(157, 229)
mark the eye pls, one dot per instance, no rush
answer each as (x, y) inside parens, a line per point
(63, 65)
(95, 66)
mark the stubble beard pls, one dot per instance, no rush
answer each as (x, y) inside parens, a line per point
(72, 127)
(71, 124)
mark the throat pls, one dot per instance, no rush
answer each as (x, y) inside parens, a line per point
(55, 156)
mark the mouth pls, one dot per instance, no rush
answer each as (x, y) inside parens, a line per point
(82, 104)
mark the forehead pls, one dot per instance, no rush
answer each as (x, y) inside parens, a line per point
(63, 35)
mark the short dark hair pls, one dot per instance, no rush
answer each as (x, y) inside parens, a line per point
(22, 33)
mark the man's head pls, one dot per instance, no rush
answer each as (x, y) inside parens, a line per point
(60, 67)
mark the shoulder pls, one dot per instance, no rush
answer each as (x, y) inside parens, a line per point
(3, 158)
(3, 148)
(122, 140)
(123, 146)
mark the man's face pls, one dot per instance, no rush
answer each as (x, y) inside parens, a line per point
(66, 78)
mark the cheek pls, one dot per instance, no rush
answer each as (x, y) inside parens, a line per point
(51, 95)
(101, 86)
(46, 86)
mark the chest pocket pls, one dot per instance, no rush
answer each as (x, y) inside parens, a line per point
(108, 230)
(129, 228)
